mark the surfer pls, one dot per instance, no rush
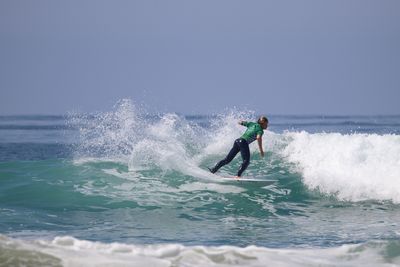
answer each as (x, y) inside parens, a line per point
(254, 131)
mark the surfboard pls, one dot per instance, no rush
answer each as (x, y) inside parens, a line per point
(246, 180)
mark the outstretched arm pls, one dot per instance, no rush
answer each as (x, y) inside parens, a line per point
(243, 123)
(260, 147)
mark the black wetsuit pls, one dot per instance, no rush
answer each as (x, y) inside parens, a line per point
(239, 145)
(242, 144)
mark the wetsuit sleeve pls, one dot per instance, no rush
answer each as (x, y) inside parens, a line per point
(245, 123)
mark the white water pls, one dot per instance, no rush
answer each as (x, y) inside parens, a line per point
(71, 252)
(354, 167)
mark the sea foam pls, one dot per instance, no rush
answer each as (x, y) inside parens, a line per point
(70, 252)
(354, 167)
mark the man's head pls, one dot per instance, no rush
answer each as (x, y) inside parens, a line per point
(263, 121)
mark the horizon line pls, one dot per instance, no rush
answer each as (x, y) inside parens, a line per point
(202, 114)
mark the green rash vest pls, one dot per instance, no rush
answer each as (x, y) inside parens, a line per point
(253, 129)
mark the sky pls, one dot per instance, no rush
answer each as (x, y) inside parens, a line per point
(338, 57)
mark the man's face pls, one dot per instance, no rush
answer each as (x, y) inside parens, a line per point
(264, 125)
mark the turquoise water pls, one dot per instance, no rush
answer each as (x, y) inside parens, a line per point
(129, 188)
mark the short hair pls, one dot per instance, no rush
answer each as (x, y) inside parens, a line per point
(262, 119)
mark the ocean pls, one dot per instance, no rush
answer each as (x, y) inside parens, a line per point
(130, 188)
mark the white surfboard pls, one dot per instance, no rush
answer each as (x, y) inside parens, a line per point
(246, 180)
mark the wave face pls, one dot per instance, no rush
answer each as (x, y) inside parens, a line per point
(131, 181)
(69, 251)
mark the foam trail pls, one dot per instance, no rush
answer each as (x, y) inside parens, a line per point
(354, 167)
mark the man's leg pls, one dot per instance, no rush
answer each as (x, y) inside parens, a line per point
(231, 155)
(245, 152)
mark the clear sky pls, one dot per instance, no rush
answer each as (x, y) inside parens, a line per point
(273, 57)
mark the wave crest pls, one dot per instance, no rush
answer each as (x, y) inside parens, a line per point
(354, 167)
